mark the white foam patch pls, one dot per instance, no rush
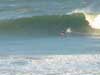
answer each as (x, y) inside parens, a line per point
(50, 65)
(93, 19)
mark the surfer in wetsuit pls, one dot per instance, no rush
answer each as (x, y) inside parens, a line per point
(62, 34)
(67, 31)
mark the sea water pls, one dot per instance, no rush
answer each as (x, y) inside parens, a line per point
(51, 45)
(30, 40)
(50, 56)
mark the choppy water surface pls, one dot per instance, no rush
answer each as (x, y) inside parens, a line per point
(50, 65)
(31, 41)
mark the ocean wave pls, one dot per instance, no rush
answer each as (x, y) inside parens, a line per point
(79, 22)
(49, 25)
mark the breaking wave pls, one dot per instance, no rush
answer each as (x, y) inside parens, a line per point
(78, 22)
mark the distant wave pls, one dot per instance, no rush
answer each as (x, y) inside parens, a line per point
(48, 25)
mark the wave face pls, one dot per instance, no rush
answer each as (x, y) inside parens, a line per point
(45, 25)
(44, 18)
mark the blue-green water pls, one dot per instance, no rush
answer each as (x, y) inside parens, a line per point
(50, 45)
(34, 27)
(49, 37)
(27, 8)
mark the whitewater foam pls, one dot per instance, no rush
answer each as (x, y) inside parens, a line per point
(90, 16)
(50, 65)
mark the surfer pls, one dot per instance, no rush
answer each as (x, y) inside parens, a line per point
(62, 34)
(67, 31)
